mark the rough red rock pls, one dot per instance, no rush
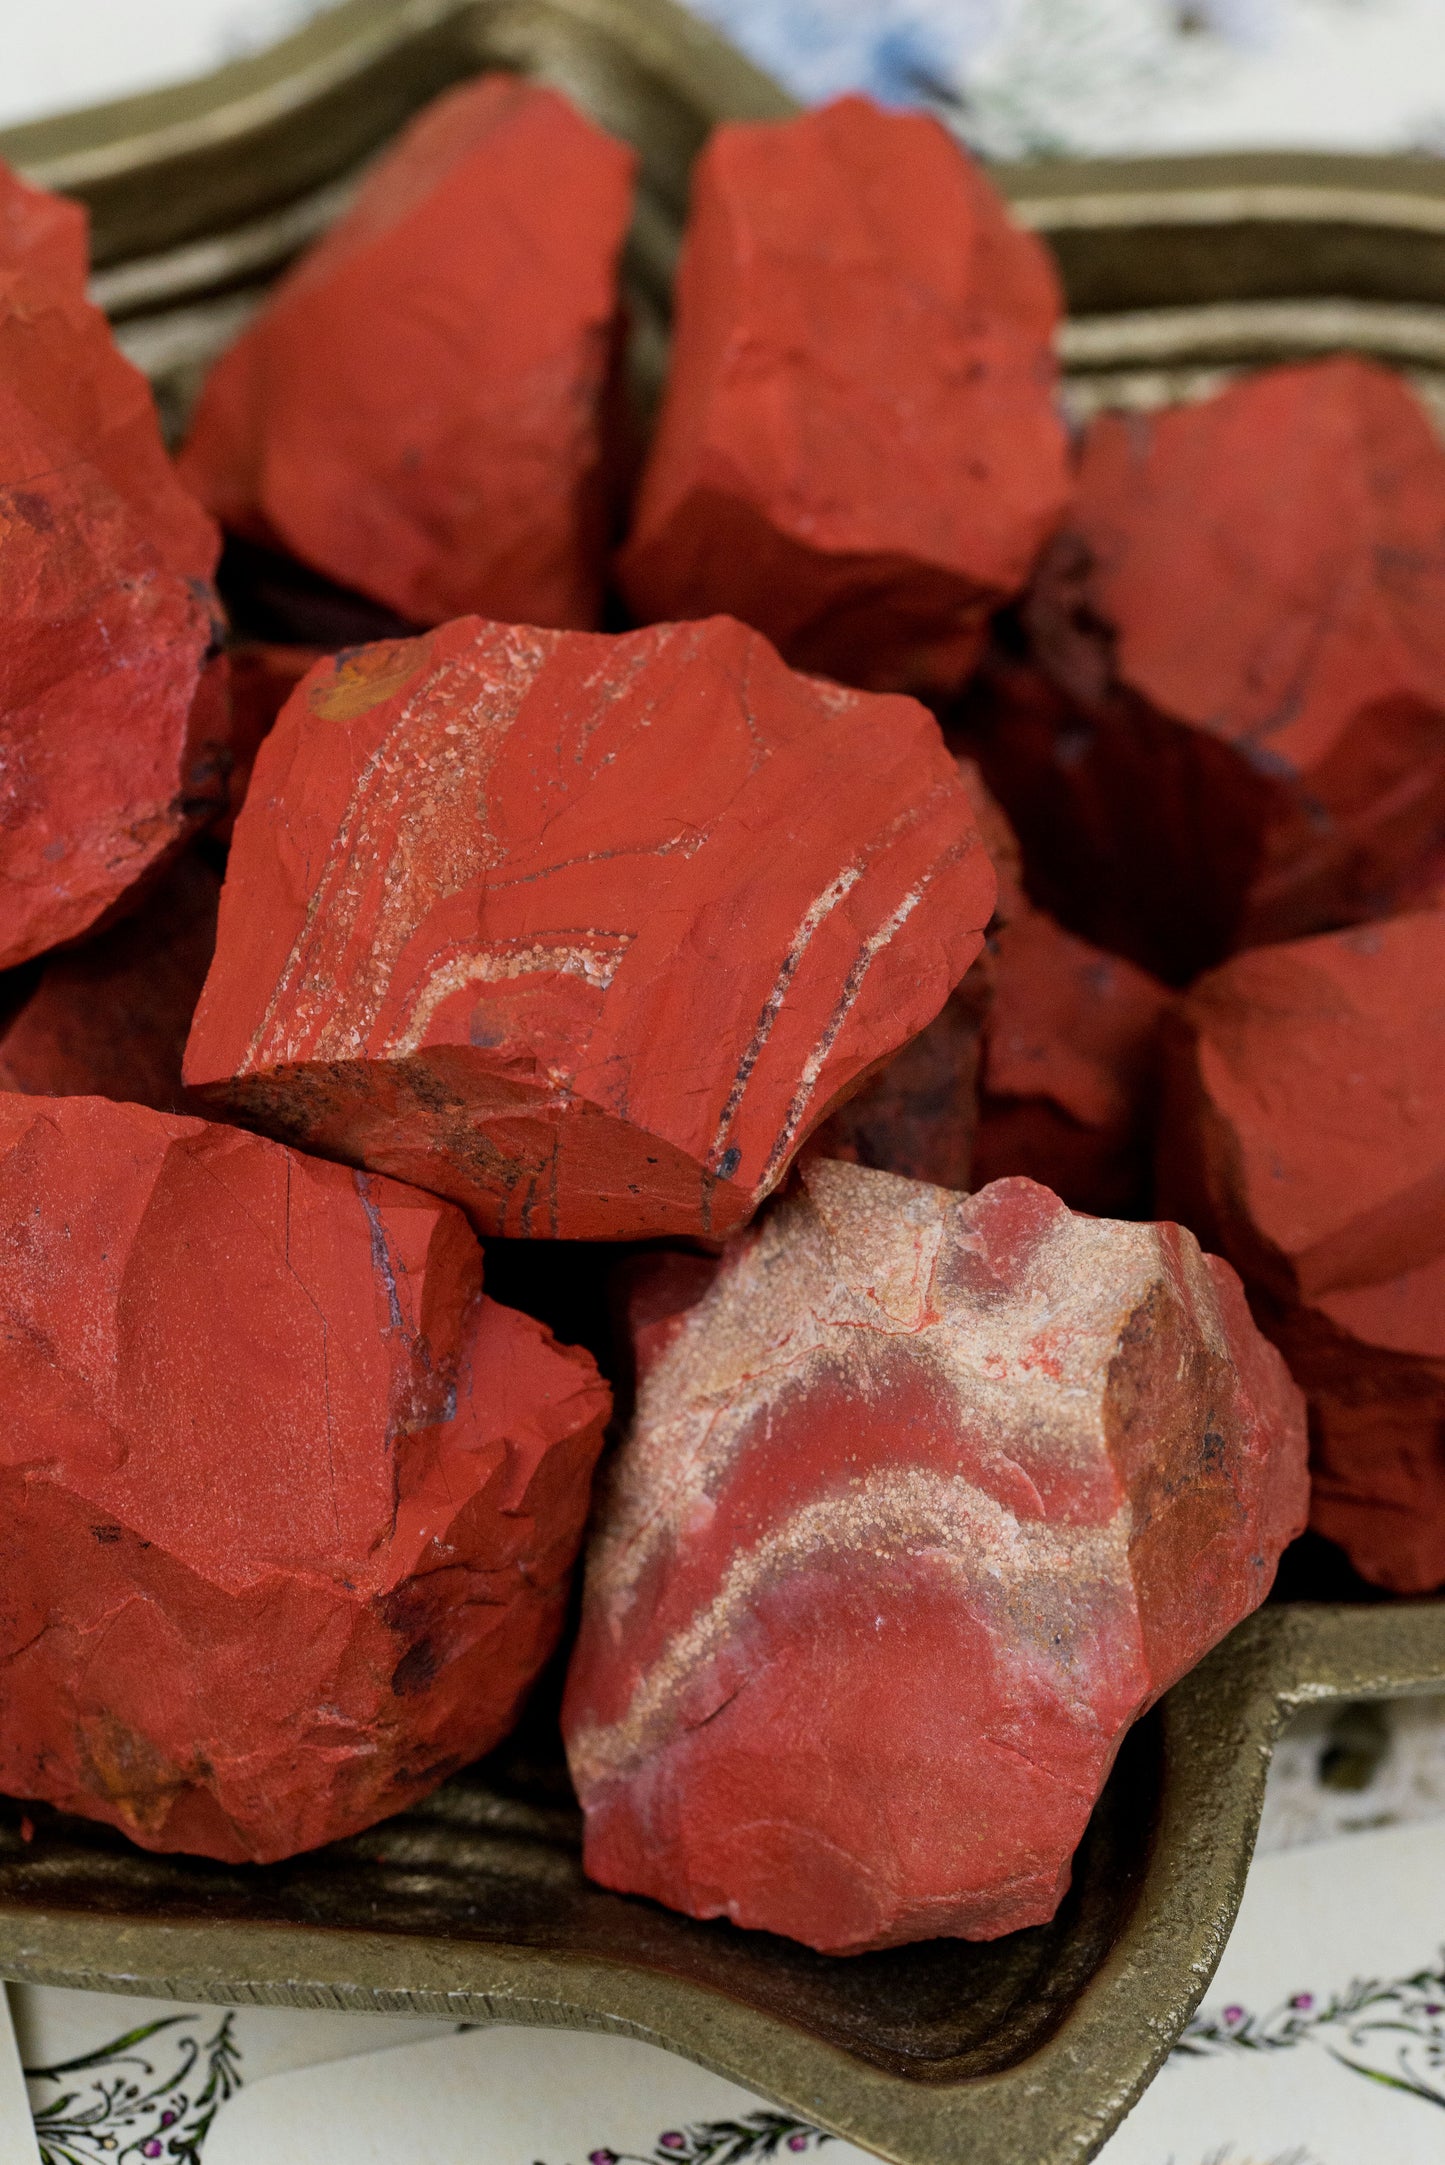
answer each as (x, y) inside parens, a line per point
(1070, 1067)
(422, 409)
(60, 362)
(289, 1507)
(1304, 1134)
(858, 450)
(1043, 1063)
(651, 1290)
(1230, 725)
(925, 1500)
(585, 933)
(263, 675)
(113, 718)
(42, 233)
(109, 1018)
(918, 1115)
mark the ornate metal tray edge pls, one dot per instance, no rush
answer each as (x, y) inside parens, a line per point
(1055, 2107)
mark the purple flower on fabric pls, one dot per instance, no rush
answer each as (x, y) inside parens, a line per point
(168, 2119)
(672, 2140)
(1233, 2015)
(1303, 2001)
(151, 2148)
(602, 2157)
(797, 2142)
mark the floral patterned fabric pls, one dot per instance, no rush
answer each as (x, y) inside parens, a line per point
(1321, 2041)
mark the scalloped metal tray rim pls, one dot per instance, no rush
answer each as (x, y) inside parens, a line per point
(1053, 2108)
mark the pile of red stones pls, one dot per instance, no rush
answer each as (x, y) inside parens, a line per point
(967, 845)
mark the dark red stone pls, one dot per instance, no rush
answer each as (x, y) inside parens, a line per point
(287, 1507)
(424, 408)
(858, 450)
(109, 1018)
(1304, 1135)
(263, 676)
(585, 933)
(1070, 1068)
(1043, 1062)
(924, 1501)
(918, 1115)
(1229, 726)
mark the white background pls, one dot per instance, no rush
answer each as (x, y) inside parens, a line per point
(1031, 74)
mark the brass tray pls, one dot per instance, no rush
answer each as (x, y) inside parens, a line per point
(1025, 2051)
(1030, 2050)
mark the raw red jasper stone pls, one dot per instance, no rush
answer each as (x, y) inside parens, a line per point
(109, 1018)
(42, 233)
(919, 1114)
(924, 1501)
(59, 361)
(585, 933)
(1304, 1133)
(1231, 728)
(422, 409)
(113, 721)
(263, 676)
(1043, 1062)
(288, 1506)
(858, 450)
(1070, 1067)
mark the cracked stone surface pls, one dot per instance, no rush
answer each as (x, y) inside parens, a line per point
(858, 450)
(427, 409)
(584, 933)
(114, 728)
(289, 1505)
(110, 1017)
(1229, 727)
(1304, 1136)
(969, 1479)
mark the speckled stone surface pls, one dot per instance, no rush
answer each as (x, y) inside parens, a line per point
(925, 1500)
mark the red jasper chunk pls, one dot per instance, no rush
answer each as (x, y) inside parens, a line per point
(924, 1501)
(423, 409)
(1070, 1067)
(1044, 1063)
(113, 719)
(263, 675)
(1229, 726)
(918, 1116)
(1304, 1134)
(858, 450)
(60, 363)
(585, 933)
(288, 1504)
(110, 1018)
